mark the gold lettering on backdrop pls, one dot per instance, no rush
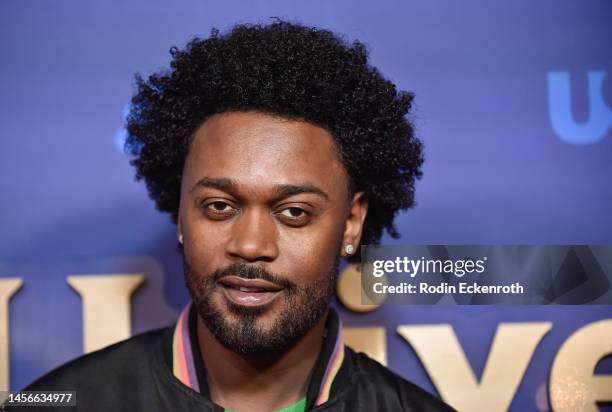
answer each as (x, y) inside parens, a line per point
(442, 356)
(106, 307)
(370, 340)
(573, 386)
(8, 287)
(350, 294)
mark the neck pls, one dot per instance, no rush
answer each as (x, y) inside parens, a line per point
(272, 381)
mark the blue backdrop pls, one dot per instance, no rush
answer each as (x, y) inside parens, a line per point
(513, 103)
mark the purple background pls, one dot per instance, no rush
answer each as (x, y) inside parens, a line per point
(495, 172)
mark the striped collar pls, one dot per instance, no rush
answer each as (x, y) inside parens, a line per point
(187, 365)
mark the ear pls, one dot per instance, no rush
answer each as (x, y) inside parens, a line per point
(354, 222)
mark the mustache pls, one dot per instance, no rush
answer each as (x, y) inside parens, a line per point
(242, 270)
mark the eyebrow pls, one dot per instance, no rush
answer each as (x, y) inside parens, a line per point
(290, 190)
(285, 190)
(227, 185)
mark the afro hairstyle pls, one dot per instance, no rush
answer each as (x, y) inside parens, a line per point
(286, 70)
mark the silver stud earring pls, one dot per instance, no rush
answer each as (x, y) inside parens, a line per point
(349, 249)
(180, 238)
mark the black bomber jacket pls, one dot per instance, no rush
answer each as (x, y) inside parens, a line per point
(159, 371)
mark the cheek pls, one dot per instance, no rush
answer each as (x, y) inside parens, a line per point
(203, 246)
(310, 253)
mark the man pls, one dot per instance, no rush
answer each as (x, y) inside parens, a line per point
(277, 150)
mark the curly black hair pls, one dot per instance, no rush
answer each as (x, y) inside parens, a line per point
(288, 70)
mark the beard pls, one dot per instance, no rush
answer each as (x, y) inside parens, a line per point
(301, 309)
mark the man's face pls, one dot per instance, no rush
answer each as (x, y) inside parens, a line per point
(264, 211)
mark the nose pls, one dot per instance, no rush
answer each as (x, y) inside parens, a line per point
(254, 237)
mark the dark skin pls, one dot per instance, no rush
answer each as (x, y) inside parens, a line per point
(266, 191)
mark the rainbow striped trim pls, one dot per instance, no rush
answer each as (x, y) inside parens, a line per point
(333, 366)
(183, 366)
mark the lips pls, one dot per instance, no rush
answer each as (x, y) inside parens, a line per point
(249, 292)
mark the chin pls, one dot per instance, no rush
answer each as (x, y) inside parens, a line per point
(262, 316)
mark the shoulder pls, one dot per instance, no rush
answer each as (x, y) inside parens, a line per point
(392, 387)
(119, 362)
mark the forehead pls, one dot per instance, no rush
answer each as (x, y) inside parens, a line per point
(258, 150)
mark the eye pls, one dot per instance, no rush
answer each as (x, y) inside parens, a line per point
(219, 210)
(293, 212)
(294, 216)
(219, 206)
